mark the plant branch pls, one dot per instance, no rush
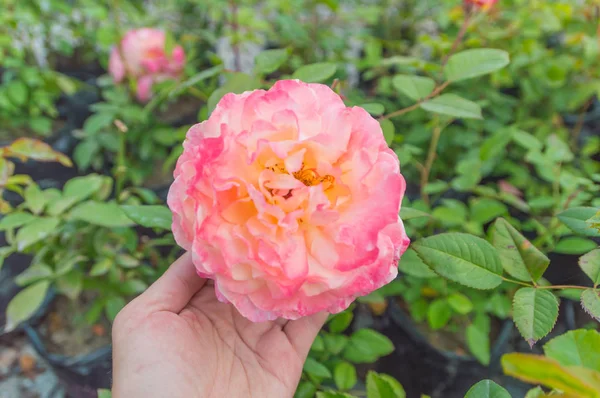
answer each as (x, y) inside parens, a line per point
(399, 112)
(461, 34)
(431, 155)
(516, 282)
(559, 287)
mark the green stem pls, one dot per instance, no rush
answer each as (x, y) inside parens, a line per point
(557, 287)
(121, 167)
(197, 93)
(431, 155)
(516, 282)
(399, 112)
(560, 287)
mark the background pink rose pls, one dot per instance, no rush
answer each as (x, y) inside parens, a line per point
(145, 60)
(485, 4)
(289, 200)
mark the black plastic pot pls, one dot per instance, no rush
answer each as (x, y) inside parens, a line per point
(424, 369)
(81, 375)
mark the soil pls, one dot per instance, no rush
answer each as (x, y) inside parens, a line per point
(65, 331)
(444, 340)
(181, 112)
(159, 177)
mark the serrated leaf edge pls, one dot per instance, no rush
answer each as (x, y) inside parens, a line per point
(532, 342)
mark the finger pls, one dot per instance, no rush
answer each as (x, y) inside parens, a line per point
(172, 291)
(302, 332)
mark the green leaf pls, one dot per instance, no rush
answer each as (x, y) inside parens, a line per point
(66, 84)
(192, 81)
(484, 210)
(535, 312)
(519, 257)
(344, 375)
(127, 261)
(366, 346)
(453, 105)
(101, 267)
(388, 129)
(374, 109)
(383, 386)
(85, 152)
(305, 389)
(34, 273)
(576, 217)
(475, 62)
(35, 231)
(332, 394)
(70, 284)
(411, 264)
(150, 216)
(81, 188)
(25, 304)
(311, 366)
(103, 393)
(487, 389)
(34, 198)
(406, 213)
(335, 343)
(318, 345)
(41, 125)
(462, 258)
(97, 122)
(414, 87)
(574, 245)
(315, 73)
(4, 253)
(460, 303)
(589, 263)
(590, 301)
(99, 213)
(478, 340)
(114, 304)
(269, 61)
(557, 150)
(537, 369)
(341, 321)
(16, 91)
(28, 148)
(15, 220)
(438, 314)
(576, 348)
(526, 140)
(536, 392)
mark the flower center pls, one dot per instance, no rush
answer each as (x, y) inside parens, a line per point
(308, 177)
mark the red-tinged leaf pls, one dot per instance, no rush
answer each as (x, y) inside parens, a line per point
(27, 148)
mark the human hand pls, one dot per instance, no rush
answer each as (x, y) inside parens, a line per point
(177, 340)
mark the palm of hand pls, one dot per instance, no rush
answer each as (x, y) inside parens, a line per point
(206, 349)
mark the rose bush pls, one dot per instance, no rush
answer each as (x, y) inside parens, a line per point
(142, 56)
(289, 201)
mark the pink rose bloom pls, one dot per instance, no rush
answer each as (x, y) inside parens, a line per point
(484, 4)
(145, 60)
(289, 201)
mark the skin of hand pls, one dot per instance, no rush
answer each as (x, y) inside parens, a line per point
(177, 340)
